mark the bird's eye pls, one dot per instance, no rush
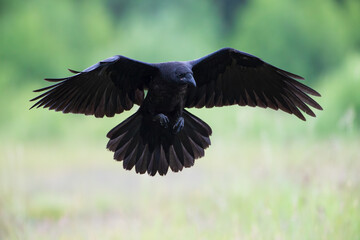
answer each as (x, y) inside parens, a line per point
(182, 75)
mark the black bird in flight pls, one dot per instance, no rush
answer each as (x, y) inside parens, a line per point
(162, 134)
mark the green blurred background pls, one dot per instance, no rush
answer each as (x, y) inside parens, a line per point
(267, 174)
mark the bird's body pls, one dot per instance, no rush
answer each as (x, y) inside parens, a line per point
(164, 96)
(162, 134)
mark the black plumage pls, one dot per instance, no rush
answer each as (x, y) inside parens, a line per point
(162, 134)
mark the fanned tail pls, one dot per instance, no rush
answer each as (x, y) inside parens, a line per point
(138, 141)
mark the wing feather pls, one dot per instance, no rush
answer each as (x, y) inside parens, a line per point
(104, 89)
(228, 77)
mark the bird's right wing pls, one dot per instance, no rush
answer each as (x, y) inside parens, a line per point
(104, 89)
(228, 77)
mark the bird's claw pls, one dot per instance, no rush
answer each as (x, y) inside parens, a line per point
(162, 119)
(178, 125)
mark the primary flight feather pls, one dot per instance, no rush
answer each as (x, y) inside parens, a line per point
(162, 134)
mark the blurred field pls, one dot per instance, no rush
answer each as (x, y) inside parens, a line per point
(251, 184)
(267, 175)
(294, 189)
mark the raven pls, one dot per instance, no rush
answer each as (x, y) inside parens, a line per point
(162, 134)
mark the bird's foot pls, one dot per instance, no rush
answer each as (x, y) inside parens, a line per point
(178, 125)
(162, 119)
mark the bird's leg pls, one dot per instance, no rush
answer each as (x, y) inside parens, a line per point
(162, 119)
(179, 124)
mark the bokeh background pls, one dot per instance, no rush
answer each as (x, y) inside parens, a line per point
(267, 174)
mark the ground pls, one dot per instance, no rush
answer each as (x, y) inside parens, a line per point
(257, 188)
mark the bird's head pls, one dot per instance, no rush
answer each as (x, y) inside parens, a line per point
(184, 75)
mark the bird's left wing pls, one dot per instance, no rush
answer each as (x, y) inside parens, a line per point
(228, 77)
(108, 87)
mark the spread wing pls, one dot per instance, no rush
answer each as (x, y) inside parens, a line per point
(108, 87)
(229, 77)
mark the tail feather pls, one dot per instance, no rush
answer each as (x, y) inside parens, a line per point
(123, 126)
(198, 139)
(131, 160)
(120, 152)
(174, 161)
(188, 159)
(163, 161)
(130, 157)
(198, 124)
(198, 151)
(141, 165)
(140, 142)
(153, 163)
(121, 134)
(187, 144)
(178, 150)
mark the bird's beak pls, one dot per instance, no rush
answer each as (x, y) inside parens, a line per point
(190, 80)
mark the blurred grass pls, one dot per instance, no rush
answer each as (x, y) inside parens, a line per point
(267, 175)
(299, 189)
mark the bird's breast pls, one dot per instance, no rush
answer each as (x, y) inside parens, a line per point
(165, 100)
